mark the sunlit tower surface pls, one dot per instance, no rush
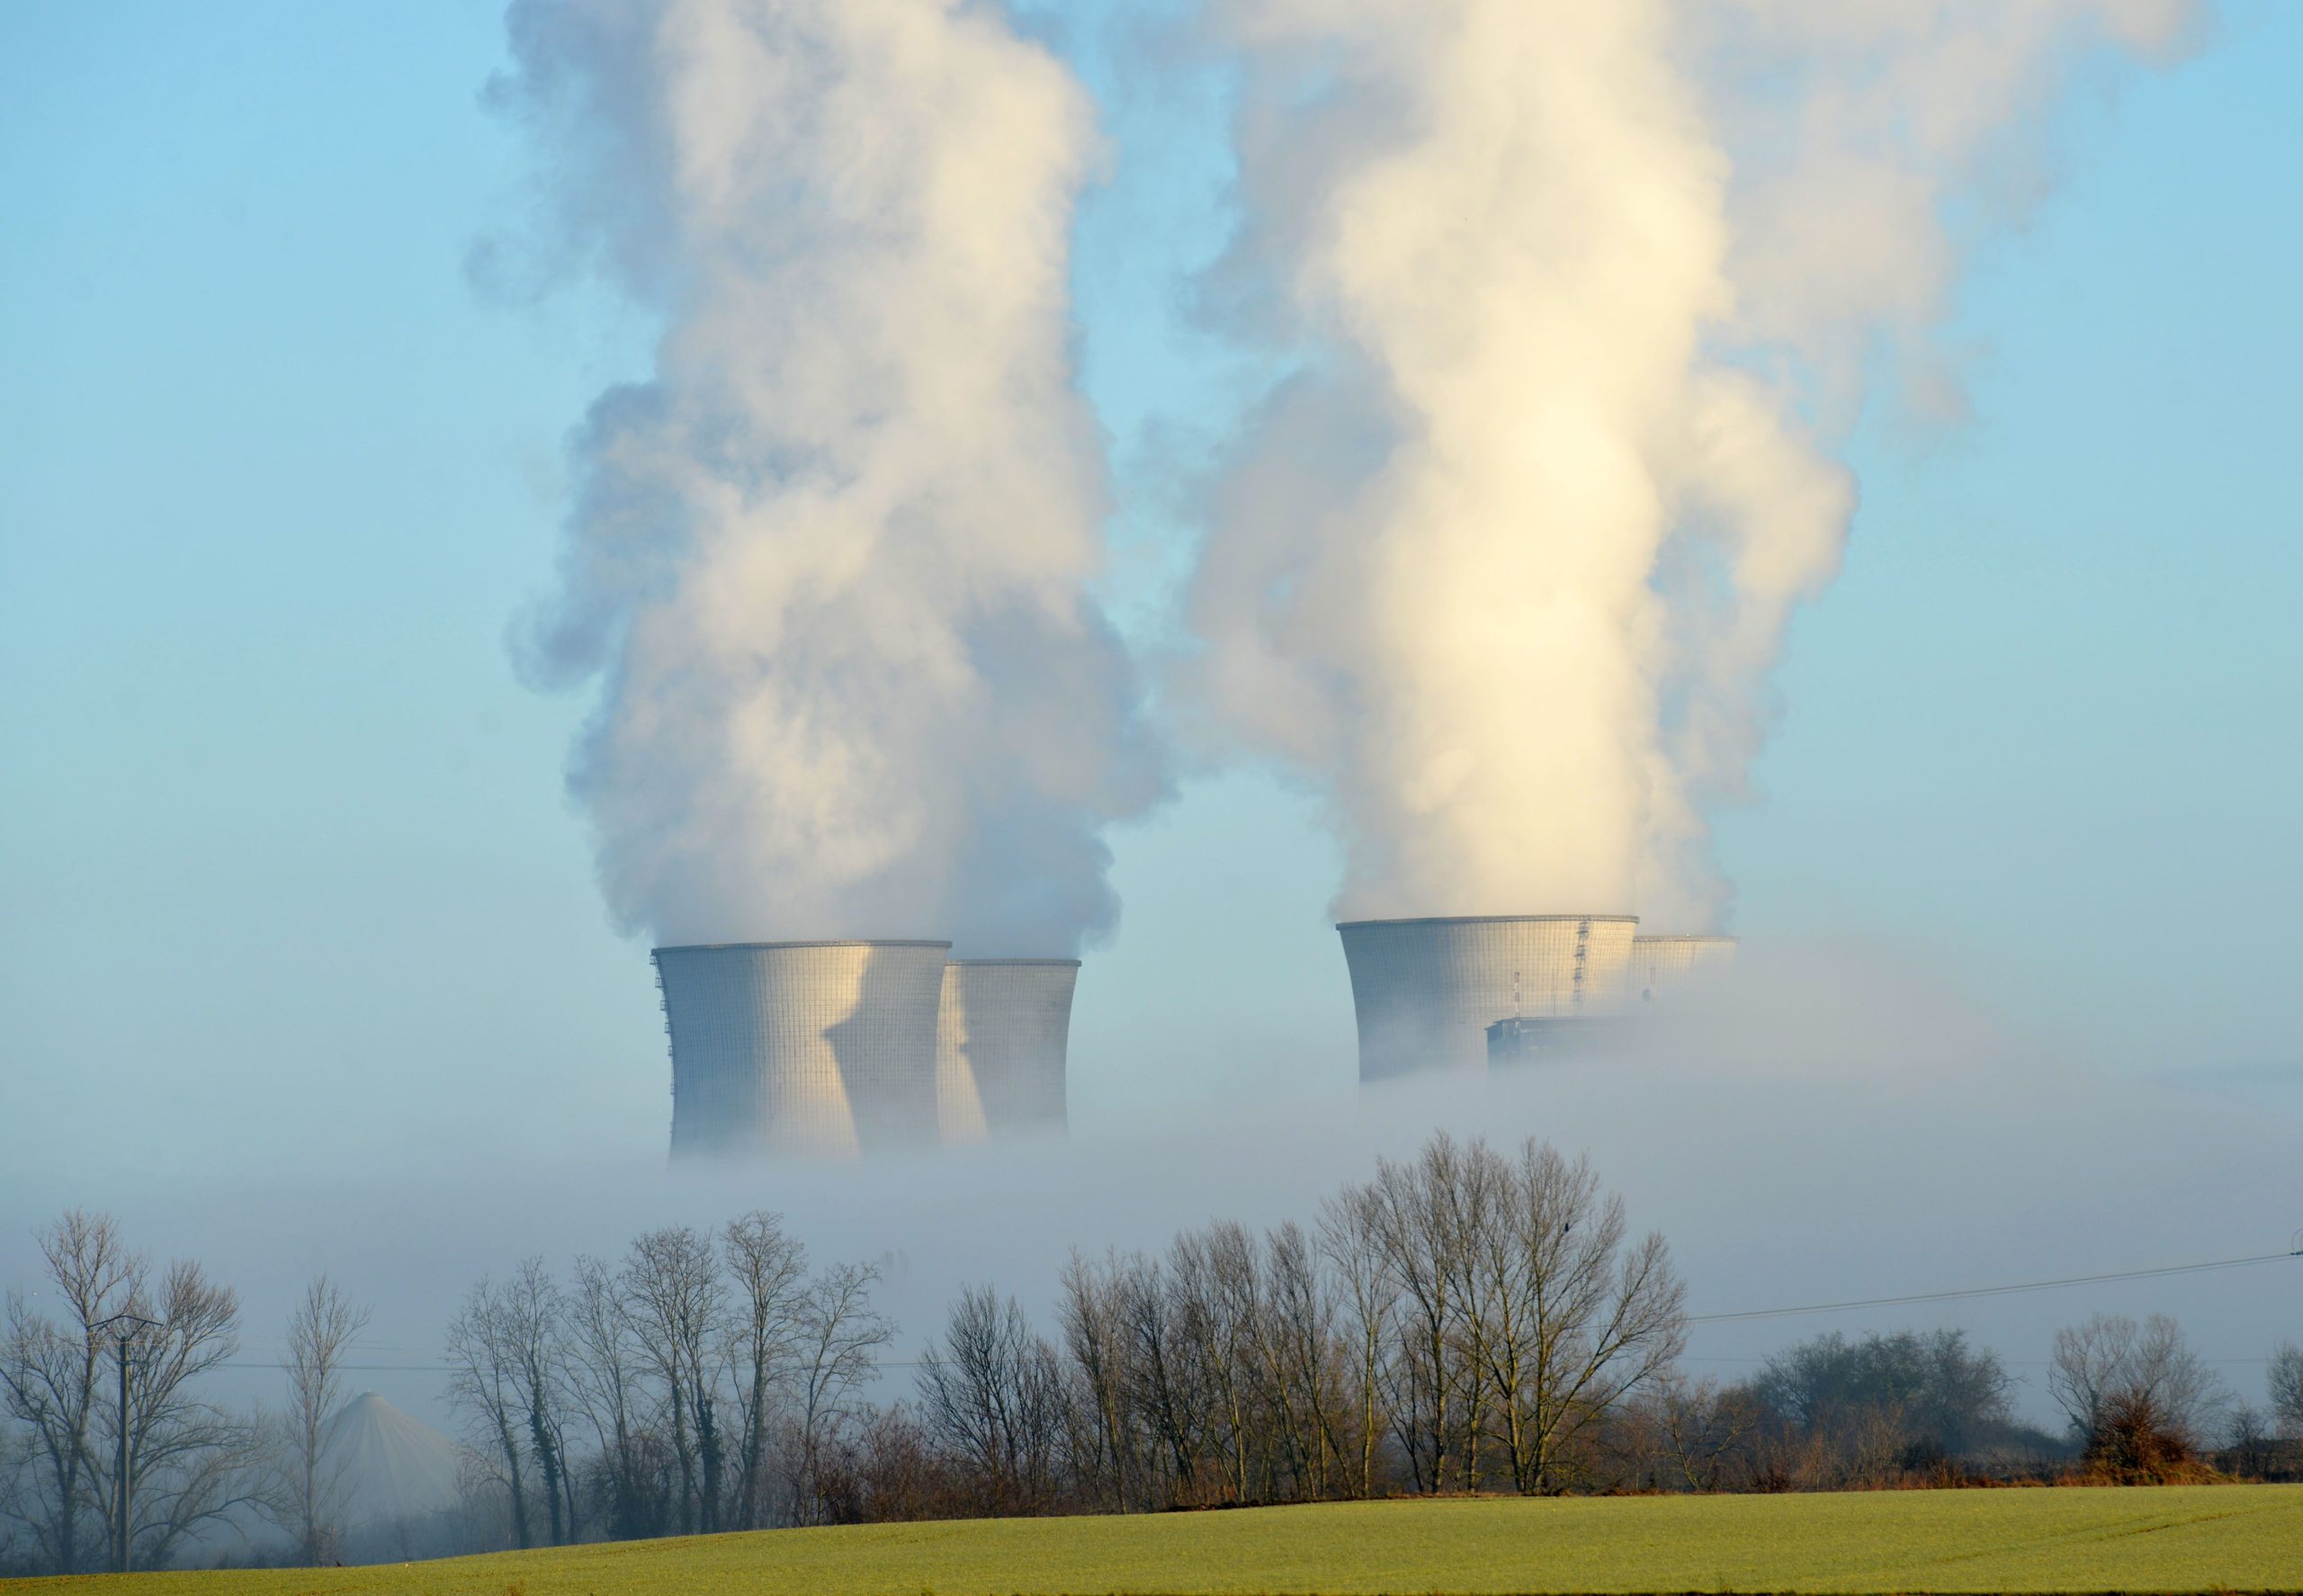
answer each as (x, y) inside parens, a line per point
(1001, 1045)
(1426, 991)
(818, 1049)
(839, 1049)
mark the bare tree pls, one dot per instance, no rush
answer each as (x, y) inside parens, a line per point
(2287, 1388)
(675, 1298)
(1297, 1348)
(1434, 1381)
(320, 1333)
(529, 1311)
(990, 1396)
(1210, 1278)
(2138, 1396)
(1581, 1318)
(770, 1269)
(49, 1371)
(1475, 1207)
(483, 1389)
(887, 1469)
(605, 1380)
(1163, 1385)
(193, 1462)
(2250, 1441)
(1093, 1317)
(1351, 1243)
(2088, 1364)
(15, 1480)
(837, 1338)
(1703, 1425)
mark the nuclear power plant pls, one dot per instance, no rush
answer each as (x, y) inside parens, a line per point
(844, 1049)
(1470, 992)
(837, 1049)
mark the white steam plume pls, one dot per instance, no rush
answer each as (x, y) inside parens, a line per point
(1580, 296)
(830, 563)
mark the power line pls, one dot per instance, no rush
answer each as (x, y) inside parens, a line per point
(1944, 1296)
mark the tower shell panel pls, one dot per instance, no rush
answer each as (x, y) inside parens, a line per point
(1426, 991)
(1002, 1044)
(809, 1048)
(1660, 962)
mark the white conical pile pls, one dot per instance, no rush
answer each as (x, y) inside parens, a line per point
(387, 1467)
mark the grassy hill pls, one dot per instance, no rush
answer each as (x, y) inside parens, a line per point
(2232, 1538)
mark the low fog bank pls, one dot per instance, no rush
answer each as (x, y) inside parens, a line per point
(1835, 1122)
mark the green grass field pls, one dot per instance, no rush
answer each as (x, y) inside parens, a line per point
(2208, 1538)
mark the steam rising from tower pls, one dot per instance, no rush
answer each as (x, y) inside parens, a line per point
(1572, 302)
(1575, 298)
(828, 562)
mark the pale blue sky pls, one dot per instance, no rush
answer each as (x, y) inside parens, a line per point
(284, 855)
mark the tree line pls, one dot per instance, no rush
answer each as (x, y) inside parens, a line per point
(1470, 1319)
(695, 1385)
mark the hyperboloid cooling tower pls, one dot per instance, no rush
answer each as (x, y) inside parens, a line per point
(803, 1047)
(1001, 1045)
(1427, 990)
(1658, 963)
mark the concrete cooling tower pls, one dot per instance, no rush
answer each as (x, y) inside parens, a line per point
(811, 1048)
(1428, 990)
(1658, 963)
(1001, 1044)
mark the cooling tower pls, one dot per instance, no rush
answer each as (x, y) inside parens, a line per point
(1000, 1044)
(812, 1048)
(1427, 990)
(1660, 962)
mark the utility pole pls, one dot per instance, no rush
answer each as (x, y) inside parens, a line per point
(124, 1327)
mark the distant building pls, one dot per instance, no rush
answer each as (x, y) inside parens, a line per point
(1527, 1040)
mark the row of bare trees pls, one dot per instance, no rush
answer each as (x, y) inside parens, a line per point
(692, 1385)
(1466, 1320)
(1471, 1319)
(1477, 1319)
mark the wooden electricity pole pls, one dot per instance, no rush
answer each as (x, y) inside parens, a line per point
(124, 1327)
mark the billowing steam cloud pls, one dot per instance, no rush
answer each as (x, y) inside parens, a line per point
(1581, 295)
(829, 563)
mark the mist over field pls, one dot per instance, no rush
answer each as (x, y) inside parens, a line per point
(1834, 1124)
